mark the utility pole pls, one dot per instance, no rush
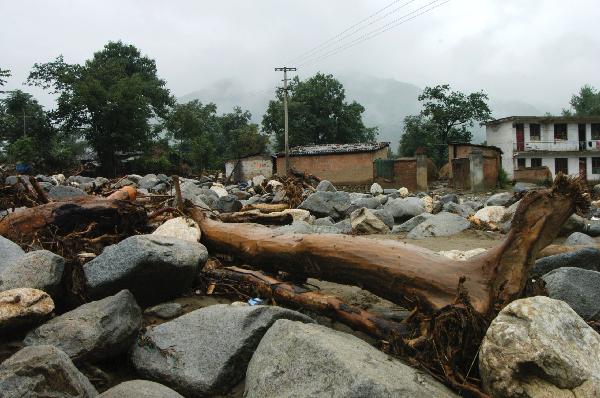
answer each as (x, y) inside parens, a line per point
(285, 70)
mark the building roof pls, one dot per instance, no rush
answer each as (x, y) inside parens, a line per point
(545, 119)
(329, 149)
(495, 148)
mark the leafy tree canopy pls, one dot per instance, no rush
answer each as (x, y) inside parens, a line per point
(318, 114)
(110, 99)
(4, 73)
(586, 103)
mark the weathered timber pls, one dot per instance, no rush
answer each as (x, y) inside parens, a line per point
(408, 275)
(255, 216)
(298, 297)
(266, 207)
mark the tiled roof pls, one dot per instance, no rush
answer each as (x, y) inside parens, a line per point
(328, 149)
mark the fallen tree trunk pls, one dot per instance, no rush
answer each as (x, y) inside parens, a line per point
(255, 216)
(109, 215)
(405, 274)
(266, 207)
(298, 297)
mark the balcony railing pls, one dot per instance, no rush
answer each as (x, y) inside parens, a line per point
(557, 145)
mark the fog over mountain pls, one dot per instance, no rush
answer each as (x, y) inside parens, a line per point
(387, 102)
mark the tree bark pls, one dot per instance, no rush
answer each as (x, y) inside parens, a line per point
(298, 297)
(255, 216)
(408, 275)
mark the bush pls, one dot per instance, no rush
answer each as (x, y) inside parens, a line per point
(503, 180)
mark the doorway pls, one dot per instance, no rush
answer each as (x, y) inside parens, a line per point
(583, 168)
(520, 137)
(581, 129)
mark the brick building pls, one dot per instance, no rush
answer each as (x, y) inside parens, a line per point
(474, 167)
(342, 164)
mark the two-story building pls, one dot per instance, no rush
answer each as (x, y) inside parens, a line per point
(570, 145)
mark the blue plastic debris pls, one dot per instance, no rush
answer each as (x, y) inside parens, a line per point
(255, 301)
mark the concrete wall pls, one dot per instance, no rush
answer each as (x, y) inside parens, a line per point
(487, 168)
(503, 136)
(342, 169)
(250, 167)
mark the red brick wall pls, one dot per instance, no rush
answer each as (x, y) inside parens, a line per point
(342, 169)
(405, 175)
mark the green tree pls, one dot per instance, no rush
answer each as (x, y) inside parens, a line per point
(452, 114)
(318, 114)
(419, 132)
(240, 137)
(586, 103)
(111, 99)
(4, 73)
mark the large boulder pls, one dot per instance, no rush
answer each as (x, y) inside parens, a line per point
(40, 269)
(181, 228)
(148, 181)
(23, 308)
(575, 223)
(42, 372)
(11, 252)
(308, 360)
(461, 210)
(578, 238)
(499, 199)
(93, 331)
(384, 216)
(154, 268)
(408, 225)
(368, 202)
(580, 288)
(491, 214)
(65, 192)
(403, 209)
(323, 204)
(205, 352)
(364, 221)
(441, 224)
(228, 204)
(539, 347)
(586, 258)
(140, 389)
(326, 186)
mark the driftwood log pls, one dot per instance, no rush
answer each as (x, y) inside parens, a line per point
(298, 297)
(255, 216)
(114, 213)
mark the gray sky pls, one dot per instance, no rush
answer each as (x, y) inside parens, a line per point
(537, 51)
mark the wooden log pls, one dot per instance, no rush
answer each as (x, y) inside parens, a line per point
(298, 297)
(115, 212)
(255, 216)
(266, 207)
(408, 275)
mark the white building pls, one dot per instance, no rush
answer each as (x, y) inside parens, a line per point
(567, 144)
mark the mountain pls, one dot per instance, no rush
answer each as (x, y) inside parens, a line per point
(386, 102)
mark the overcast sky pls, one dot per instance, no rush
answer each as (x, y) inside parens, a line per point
(538, 51)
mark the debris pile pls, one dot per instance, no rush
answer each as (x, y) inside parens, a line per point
(96, 271)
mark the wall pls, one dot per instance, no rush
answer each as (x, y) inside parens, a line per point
(342, 169)
(503, 136)
(405, 175)
(489, 166)
(535, 175)
(250, 167)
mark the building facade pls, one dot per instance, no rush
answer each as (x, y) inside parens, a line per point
(474, 167)
(245, 169)
(343, 164)
(570, 145)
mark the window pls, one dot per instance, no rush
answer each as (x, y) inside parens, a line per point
(534, 132)
(536, 162)
(595, 131)
(560, 131)
(561, 165)
(521, 163)
(595, 165)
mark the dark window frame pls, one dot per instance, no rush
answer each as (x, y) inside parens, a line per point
(558, 168)
(559, 134)
(596, 168)
(538, 128)
(595, 129)
(538, 161)
(521, 163)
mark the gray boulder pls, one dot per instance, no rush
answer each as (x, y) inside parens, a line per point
(148, 181)
(323, 204)
(403, 209)
(323, 221)
(326, 186)
(93, 331)
(408, 225)
(521, 187)
(140, 389)
(441, 224)
(308, 360)
(369, 203)
(205, 352)
(539, 347)
(40, 269)
(228, 204)
(165, 310)
(499, 199)
(65, 192)
(580, 288)
(42, 372)
(575, 223)
(473, 204)
(578, 238)
(23, 308)
(80, 179)
(461, 210)
(593, 229)
(364, 221)
(586, 258)
(596, 190)
(344, 226)
(11, 252)
(449, 198)
(384, 216)
(154, 268)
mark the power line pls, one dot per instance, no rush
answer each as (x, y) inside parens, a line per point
(343, 36)
(377, 32)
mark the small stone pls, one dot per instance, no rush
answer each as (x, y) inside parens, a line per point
(140, 389)
(23, 308)
(165, 310)
(577, 287)
(326, 186)
(441, 224)
(578, 238)
(403, 192)
(363, 221)
(499, 199)
(376, 189)
(65, 192)
(181, 228)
